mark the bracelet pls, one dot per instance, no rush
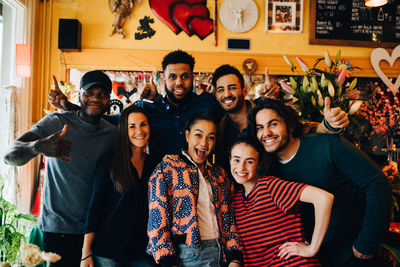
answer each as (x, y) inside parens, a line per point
(88, 256)
(330, 128)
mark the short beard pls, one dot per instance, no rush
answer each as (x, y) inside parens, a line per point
(238, 107)
(282, 146)
(175, 100)
(83, 110)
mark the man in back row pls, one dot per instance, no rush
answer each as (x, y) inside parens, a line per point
(230, 93)
(168, 115)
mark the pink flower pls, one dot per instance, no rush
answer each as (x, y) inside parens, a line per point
(286, 87)
(303, 64)
(353, 94)
(341, 77)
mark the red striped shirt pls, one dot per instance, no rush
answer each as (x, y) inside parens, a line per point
(265, 220)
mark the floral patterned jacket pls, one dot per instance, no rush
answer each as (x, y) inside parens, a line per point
(173, 219)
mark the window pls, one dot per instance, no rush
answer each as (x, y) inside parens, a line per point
(11, 32)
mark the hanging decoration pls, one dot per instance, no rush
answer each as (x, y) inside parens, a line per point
(238, 15)
(284, 16)
(249, 66)
(190, 16)
(380, 54)
(144, 30)
(122, 9)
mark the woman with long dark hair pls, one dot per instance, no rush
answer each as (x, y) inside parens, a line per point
(117, 216)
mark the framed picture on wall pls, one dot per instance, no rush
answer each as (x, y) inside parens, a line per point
(284, 16)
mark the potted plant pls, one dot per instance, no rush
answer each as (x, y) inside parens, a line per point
(14, 227)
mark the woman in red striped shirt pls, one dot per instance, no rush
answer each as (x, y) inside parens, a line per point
(267, 217)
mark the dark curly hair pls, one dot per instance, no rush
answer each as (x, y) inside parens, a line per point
(225, 70)
(288, 114)
(178, 56)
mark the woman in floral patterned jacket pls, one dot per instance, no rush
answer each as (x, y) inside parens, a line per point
(191, 221)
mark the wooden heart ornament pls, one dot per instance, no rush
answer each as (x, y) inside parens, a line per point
(380, 54)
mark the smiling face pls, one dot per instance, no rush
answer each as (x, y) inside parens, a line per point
(229, 93)
(272, 131)
(138, 129)
(201, 140)
(94, 101)
(178, 80)
(244, 161)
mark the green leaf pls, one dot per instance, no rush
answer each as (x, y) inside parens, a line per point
(305, 83)
(323, 80)
(353, 84)
(338, 56)
(293, 83)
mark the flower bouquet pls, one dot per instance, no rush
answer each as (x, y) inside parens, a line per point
(382, 111)
(306, 92)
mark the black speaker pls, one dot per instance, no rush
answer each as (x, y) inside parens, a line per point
(69, 35)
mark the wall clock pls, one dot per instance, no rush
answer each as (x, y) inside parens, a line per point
(238, 15)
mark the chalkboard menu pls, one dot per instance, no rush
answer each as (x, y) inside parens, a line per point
(351, 23)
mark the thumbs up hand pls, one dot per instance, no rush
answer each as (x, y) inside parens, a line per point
(54, 145)
(335, 117)
(270, 89)
(56, 97)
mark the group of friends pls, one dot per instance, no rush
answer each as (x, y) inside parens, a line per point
(202, 180)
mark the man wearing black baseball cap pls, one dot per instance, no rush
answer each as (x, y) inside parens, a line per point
(72, 142)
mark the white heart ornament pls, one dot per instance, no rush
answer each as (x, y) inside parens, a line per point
(379, 54)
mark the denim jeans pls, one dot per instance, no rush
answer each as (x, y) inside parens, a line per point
(208, 255)
(109, 262)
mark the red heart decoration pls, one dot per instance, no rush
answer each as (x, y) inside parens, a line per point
(161, 9)
(182, 12)
(117, 88)
(202, 27)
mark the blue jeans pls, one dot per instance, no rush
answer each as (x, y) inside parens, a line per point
(109, 262)
(208, 255)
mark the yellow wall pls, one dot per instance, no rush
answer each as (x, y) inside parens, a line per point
(98, 46)
(97, 19)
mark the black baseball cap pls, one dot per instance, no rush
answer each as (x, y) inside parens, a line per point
(96, 77)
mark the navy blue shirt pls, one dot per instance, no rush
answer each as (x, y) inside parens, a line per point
(167, 121)
(119, 219)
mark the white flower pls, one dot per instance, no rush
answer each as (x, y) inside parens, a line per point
(50, 256)
(30, 255)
